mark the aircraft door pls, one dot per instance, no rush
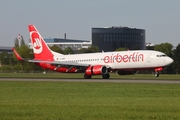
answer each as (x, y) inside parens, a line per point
(149, 58)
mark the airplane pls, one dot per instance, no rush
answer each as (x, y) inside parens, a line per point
(101, 63)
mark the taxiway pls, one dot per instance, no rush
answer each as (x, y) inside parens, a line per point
(96, 80)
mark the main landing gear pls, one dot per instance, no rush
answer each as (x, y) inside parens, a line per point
(104, 76)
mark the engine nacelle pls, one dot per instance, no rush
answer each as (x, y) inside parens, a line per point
(96, 70)
(127, 72)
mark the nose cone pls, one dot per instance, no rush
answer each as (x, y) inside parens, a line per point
(169, 61)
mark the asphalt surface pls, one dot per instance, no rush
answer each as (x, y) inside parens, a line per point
(96, 80)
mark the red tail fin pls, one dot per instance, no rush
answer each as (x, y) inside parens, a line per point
(40, 48)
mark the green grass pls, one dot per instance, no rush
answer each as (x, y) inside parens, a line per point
(88, 101)
(81, 76)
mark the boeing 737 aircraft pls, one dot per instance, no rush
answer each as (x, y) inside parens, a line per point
(122, 62)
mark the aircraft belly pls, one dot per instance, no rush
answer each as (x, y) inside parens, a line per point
(127, 65)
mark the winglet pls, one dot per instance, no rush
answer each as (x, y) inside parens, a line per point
(17, 55)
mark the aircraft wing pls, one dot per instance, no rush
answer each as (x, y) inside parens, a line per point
(60, 63)
(19, 58)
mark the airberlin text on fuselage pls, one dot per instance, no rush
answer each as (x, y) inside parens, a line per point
(134, 57)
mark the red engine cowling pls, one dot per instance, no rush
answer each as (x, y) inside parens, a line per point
(127, 72)
(96, 70)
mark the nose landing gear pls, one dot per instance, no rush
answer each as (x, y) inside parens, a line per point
(156, 74)
(156, 71)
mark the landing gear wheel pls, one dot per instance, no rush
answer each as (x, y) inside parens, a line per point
(106, 76)
(156, 74)
(87, 76)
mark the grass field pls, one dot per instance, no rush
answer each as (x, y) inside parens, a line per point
(88, 101)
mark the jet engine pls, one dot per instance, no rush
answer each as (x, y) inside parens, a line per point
(96, 70)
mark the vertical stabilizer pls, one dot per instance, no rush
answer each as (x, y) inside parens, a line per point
(40, 48)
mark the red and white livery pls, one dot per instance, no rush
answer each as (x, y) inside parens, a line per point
(122, 62)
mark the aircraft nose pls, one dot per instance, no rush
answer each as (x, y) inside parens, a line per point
(170, 60)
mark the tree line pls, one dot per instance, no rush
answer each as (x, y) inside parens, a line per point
(9, 63)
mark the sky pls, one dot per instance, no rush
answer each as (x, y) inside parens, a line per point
(76, 18)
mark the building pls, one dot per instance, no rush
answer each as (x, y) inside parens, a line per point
(106, 39)
(64, 43)
(111, 38)
(6, 49)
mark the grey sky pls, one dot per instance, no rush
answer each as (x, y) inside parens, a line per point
(53, 18)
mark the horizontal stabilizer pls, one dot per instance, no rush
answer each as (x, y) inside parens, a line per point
(19, 58)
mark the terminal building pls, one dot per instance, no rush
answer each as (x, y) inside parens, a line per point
(111, 38)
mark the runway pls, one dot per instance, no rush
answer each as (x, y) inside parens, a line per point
(96, 80)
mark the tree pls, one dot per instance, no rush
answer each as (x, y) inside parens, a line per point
(68, 50)
(136, 47)
(16, 43)
(91, 49)
(25, 51)
(176, 57)
(4, 58)
(165, 48)
(55, 48)
(82, 50)
(22, 42)
(121, 49)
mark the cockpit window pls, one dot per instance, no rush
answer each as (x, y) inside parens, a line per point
(163, 55)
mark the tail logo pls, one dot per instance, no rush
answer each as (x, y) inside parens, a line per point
(36, 42)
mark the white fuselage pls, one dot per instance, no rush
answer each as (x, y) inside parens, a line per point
(120, 60)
